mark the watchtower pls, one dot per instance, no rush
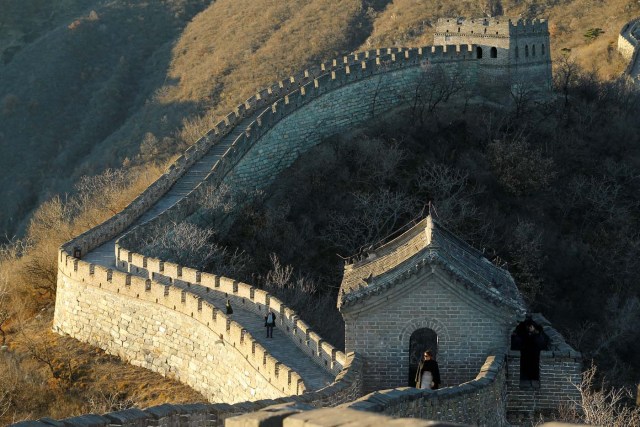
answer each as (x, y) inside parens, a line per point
(426, 289)
(510, 53)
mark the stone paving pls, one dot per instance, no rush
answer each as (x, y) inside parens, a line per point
(279, 346)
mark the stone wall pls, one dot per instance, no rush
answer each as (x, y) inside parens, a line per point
(168, 342)
(135, 313)
(477, 402)
(560, 370)
(480, 401)
(151, 325)
(240, 295)
(628, 42)
(431, 300)
(512, 40)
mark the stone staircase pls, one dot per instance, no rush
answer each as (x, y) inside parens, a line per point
(279, 346)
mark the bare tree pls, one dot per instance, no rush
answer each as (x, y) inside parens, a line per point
(452, 194)
(435, 85)
(600, 406)
(375, 215)
(528, 258)
(566, 76)
(519, 167)
(188, 244)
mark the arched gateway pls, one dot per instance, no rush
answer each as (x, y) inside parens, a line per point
(421, 340)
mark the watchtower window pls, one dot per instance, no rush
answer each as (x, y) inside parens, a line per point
(526, 51)
(533, 50)
(479, 52)
(494, 52)
(458, 29)
(542, 50)
(485, 31)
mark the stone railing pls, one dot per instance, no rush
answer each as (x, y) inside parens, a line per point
(628, 41)
(242, 295)
(481, 401)
(477, 402)
(560, 372)
(277, 92)
(278, 102)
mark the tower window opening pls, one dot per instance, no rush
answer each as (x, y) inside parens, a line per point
(458, 29)
(526, 51)
(542, 50)
(479, 52)
(485, 31)
(494, 52)
(533, 50)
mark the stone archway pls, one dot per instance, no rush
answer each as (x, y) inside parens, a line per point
(420, 340)
(408, 334)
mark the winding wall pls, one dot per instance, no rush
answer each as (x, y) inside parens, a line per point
(129, 314)
(628, 44)
(153, 313)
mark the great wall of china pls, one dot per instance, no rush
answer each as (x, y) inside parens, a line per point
(170, 318)
(628, 42)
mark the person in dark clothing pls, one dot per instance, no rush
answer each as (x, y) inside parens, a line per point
(428, 374)
(530, 339)
(270, 322)
(228, 307)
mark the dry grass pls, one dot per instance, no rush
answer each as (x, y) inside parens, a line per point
(44, 374)
(409, 23)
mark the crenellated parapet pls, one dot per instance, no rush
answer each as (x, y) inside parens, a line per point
(628, 42)
(242, 295)
(160, 315)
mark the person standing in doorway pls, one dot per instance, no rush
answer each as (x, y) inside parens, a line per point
(270, 322)
(428, 375)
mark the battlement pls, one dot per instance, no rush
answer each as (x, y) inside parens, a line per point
(491, 27)
(153, 312)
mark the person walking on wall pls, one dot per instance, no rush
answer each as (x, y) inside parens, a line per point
(270, 322)
(229, 308)
(428, 375)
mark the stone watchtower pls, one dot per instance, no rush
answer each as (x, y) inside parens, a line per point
(426, 289)
(510, 53)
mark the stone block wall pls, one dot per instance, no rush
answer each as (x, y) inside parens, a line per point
(240, 295)
(382, 332)
(628, 42)
(560, 371)
(165, 341)
(480, 401)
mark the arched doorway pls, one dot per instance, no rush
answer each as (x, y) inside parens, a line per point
(479, 52)
(494, 52)
(421, 339)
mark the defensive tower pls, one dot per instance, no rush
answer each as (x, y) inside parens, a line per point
(510, 53)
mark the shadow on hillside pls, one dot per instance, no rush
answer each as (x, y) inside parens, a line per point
(82, 97)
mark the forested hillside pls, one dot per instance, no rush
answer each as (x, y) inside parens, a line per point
(90, 85)
(115, 89)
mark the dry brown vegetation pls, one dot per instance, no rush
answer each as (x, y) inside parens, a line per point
(134, 82)
(138, 82)
(410, 23)
(44, 374)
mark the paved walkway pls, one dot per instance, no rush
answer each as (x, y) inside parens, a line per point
(634, 70)
(279, 346)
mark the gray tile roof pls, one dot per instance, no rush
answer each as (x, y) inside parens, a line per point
(428, 243)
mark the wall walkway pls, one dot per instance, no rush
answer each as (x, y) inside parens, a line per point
(137, 315)
(628, 42)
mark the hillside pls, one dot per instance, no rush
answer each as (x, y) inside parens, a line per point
(86, 86)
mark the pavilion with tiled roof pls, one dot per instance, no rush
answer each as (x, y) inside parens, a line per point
(425, 283)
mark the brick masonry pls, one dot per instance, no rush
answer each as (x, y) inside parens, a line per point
(129, 315)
